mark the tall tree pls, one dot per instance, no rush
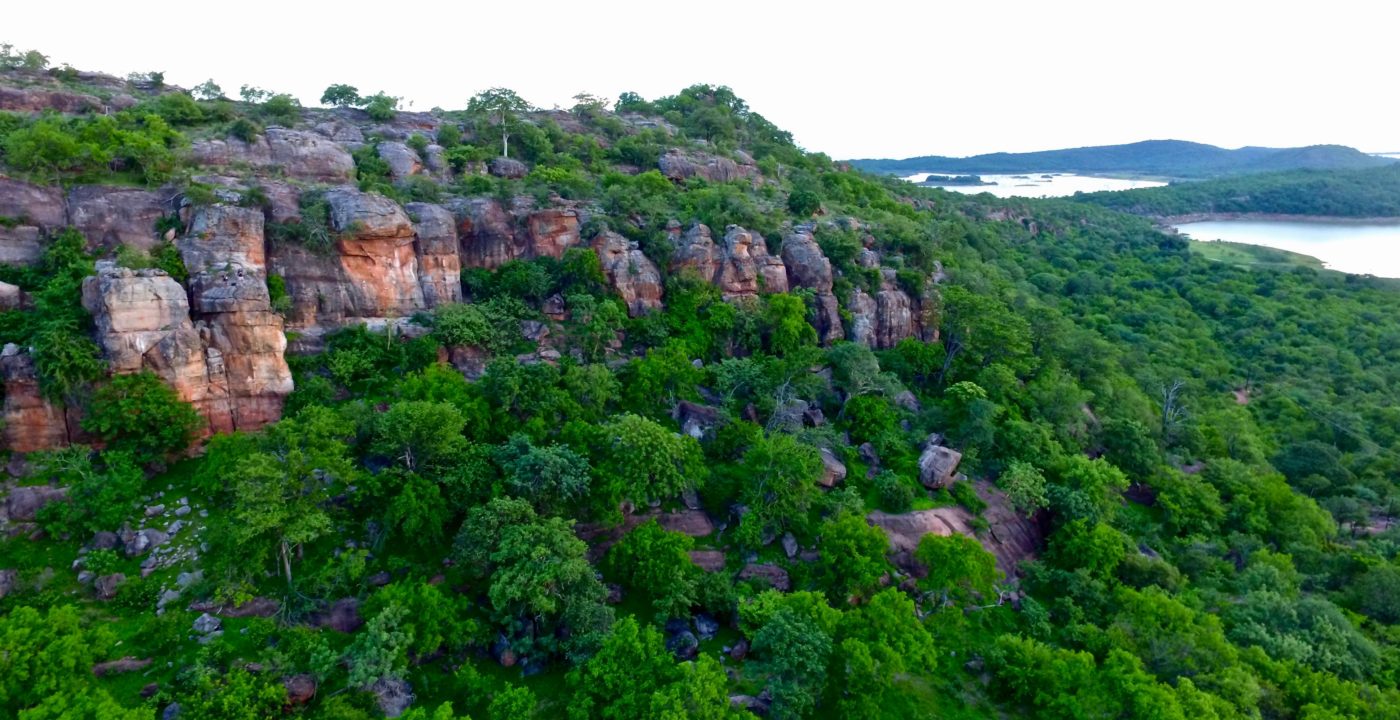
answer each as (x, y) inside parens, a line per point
(502, 107)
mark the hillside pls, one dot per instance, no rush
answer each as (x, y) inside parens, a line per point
(1365, 193)
(1159, 158)
(637, 410)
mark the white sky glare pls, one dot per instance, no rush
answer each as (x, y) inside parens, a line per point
(866, 79)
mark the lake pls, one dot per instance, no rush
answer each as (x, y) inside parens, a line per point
(1037, 185)
(1363, 248)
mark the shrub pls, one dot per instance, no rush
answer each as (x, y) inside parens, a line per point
(892, 493)
(245, 130)
(141, 415)
(282, 108)
(381, 107)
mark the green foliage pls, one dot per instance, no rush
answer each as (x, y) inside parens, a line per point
(380, 107)
(642, 461)
(552, 478)
(80, 148)
(852, 557)
(102, 491)
(782, 486)
(282, 108)
(47, 654)
(957, 565)
(656, 563)
(141, 415)
(341, 95)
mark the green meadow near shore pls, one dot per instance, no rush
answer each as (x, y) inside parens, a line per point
(638, 410)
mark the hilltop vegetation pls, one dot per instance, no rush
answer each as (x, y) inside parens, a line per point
(601, 483)
(1363, 193)
(1155, 158)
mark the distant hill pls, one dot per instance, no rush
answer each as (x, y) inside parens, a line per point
(1366, 192)
(1167, 158)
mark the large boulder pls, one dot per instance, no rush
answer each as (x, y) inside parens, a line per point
(486, 233)
(509, 168)
(32, 422)
(22, 504)
(1010, 536)
(552, 231)
(938, 464)
(739, 265)
(435, 242)
(113, 216)
(629, 270)
(833, 470)
(767, 573)
(403, 162)
(808, 267)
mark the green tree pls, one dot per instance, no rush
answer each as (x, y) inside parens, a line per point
(786, 319)
(852, 559)
(141, 415)
(793, 652)
(642, 461)
(781, 486)
(619, 681)
(46, 654)
(957, 567)
(1024, 486)
(655, 563)
(550, 477)
(500, 107)
(381, 650)
(341, 95)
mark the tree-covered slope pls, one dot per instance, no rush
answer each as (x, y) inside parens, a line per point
(1370, 192)
(1163, 158)
(828, 445)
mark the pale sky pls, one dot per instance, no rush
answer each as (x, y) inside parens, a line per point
(854, 79)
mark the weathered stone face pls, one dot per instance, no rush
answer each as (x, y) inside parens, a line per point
(552, 231)
(113, 216)
(34, 99)
(739, 265)
(32, 423)
(634, 276)
(486, 234)
(807, 266)
(293, 153)
(680, 165)
(403, 162)
(435, 242)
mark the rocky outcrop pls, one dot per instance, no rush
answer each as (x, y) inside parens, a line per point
(833, 470)
(23, 503)
(552, 231)
(486, 233)
(938, 464)
(37, 99)
(30, 212)
(32, 422)
(435, 243)
(113, 216)
(403, 162)
(292, 153)
(371, 273)
(244, 342)
(1011, 537)
(882, 320)
(681, 165)
(739, 265)
(808, 267)
(629, 270)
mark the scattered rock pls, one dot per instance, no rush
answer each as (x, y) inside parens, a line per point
(105, 541)
(379, 579)
(774, 576)
(754, 704)
(172, 711)
(154, 510)
(833, 470)
(343, 615)
(300, 689)
(694, 523)
(106, 586)
(124, 665)
(182, 511)
(740, 649)
(789, 545)
(206, 623)
(708, 560)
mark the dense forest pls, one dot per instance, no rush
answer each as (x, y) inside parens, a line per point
(1364, 193)
(1155, 158)
(621, 508)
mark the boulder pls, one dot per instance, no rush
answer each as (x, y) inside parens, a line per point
(22, 504)
(206, 623)
(774, 576)
(1010, 536)
(113, 216)
(509, 168)
(833, 470)
(124, 665)
(32, 211)
(106, 586)
(403, 162)
(706, 627)
(343, 615)
(807, 266)
(256, 607)
(32, 422)
(938, 464)
(684, 645)
(628, 270)
(8, 578)
(789, 545)
(708, 560)
(301, 689)
(739, 265)
(694, 523)
(697, 420)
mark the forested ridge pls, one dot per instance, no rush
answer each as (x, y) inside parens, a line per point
(965, 457)
(1358, 193)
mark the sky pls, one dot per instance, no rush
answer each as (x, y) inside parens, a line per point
(854, 79)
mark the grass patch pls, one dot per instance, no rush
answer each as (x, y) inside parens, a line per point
(1253, 256)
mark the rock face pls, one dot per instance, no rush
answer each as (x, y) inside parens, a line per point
(629, 271)
(435, 243)
(1010, 537)
(491, 235)
(808, 267)
(34, 99)
(295, 154)
(371, 273)
(403, 162)
(32, 212)
(113, 216)
(244, 343)
(938, 465)
(552, 231)
(32, 422)
(739, 265)
(679, 165)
